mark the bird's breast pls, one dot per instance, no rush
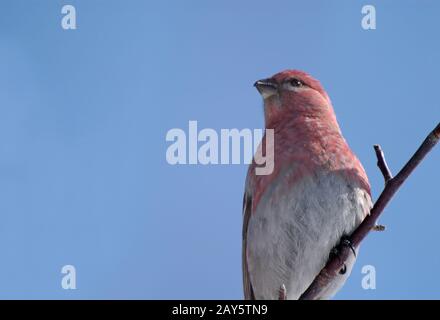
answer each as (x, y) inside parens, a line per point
(296, 223)
(309, 150)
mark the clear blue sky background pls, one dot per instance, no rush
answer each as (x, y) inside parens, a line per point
(84, 114)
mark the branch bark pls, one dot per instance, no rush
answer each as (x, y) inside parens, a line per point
(337, 262)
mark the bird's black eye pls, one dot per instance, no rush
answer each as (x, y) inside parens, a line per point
(296, 83)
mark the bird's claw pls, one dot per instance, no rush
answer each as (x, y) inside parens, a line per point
(345, 241)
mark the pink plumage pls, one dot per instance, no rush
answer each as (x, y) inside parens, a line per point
(317, 192)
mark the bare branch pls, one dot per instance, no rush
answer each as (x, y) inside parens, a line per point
(337, 262)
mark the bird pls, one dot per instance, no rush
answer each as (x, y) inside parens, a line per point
(317, 193)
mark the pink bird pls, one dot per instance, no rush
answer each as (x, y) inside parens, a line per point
(317, 193)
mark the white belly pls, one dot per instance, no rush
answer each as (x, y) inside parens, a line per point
(291, 233)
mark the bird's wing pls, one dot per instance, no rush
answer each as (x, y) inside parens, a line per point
(247, 286)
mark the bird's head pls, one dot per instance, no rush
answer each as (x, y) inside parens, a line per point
(290, 93)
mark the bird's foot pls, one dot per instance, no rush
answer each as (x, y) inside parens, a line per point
(345, 242)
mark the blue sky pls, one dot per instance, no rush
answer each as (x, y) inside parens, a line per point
(84, 114)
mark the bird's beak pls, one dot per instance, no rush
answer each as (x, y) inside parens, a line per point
(266, 87)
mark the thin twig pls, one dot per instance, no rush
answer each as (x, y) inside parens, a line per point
(382, 164)
(378, 227)
(337, 262)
